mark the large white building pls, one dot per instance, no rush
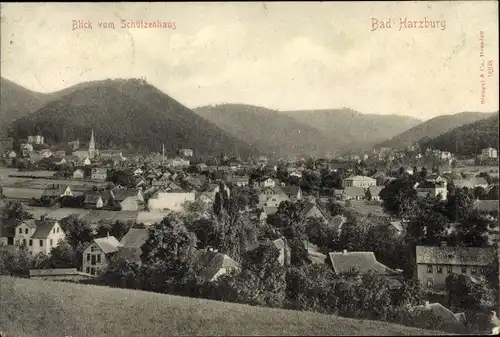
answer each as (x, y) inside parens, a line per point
(169, 201)
(38, 236)
(489, 152)
(359, 181)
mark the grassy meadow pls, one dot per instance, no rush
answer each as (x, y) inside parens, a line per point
(42, 308)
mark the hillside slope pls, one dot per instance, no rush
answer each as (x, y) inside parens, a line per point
(432, 128)
(267, 129)
(467, 139)
(42, 308)
(128, 114)
(352, 127)
(17, 101)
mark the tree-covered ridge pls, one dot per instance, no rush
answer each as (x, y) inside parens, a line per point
(469, 139)
(127, 114)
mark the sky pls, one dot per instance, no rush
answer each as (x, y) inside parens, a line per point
(283, 56)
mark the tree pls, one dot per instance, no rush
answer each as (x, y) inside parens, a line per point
(169, 241)
(399, 196)
(14, 210)
(472, 231)
(78, 232)
(122, 273)
(64, 256)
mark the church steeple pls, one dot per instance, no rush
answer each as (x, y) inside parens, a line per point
(92, 146)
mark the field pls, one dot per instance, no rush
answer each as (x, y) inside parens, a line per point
(361, 207)
(42, 308)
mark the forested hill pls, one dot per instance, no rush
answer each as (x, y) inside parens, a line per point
(469, 139)
(129, 114)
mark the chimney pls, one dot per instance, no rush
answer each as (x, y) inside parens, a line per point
(344, 251)
(107, 234)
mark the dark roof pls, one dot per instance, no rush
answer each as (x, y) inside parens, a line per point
(135, 238)
(122, 194)
(212, 262)
(290, 190)
(43, 228)
(354, 191)
(363, 262)
(8, 229)
(92, 198)
(430, 184)
(475, 256)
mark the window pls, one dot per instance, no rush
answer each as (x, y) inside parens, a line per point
(430, 283)
(473, 271)
(26, 231)
(92, 271)
(54, 230)
(24, 242)
(429, 268)
(483, 271)
(57, 230)
(92, 248)
(20, 231)
(449, 269)
(10, 241)
(88, 257)
(439, 269)
(51, 243)
(41, 243)
(464, 270)
(31, 242)
(87, 270)
(98, 258)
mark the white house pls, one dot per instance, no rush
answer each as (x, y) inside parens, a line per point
(39, 236)
(359, 181)
(433, 188)
(161, 201)
(96, 255)
(266, 182)
(489, 152)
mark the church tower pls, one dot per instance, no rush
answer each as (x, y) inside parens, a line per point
(92, 150)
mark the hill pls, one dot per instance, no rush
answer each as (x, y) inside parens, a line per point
(17, 102)
(468, 139)
(353, 128)
(41, 308)
(266, 129)
(128, 114)
(432, 128)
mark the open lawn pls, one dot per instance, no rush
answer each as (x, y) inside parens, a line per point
(42, 308)
(362, 207)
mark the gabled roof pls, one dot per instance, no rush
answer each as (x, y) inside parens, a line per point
(352, 191)
(290, 190)
(108, 244)
(473, 256)
(363, 262)
(212, 262)
(122, 194)
(135, 237)
(43, 228)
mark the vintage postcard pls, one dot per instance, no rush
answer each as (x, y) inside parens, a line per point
(259, 168)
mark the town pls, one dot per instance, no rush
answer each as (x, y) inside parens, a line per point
(403, 235)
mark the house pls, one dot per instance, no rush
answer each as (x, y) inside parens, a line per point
(54, 192)
(361, 262)
(434, 264)
(35, 139)
(177, 162)
(264, 182)
(202, 167)
(110, 154)
(214, 264)
(186, 152)
(205, 197)
(81, 154)
(312, 210)
(39, 236)
(397, 227)
(59, 274)
(373, 192)
(128, 199)
(173, 201)
(337, 194)
(359, 181)
(97, 254)
(432, 188)
(131, 244)
(353, 193)
(293, 193)
(93, 200)
(99, 174)
(272, 197)
(45, 153)
(448, 319)
(281, 244)
(314, 255)
(489, 152)
(239, 181)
